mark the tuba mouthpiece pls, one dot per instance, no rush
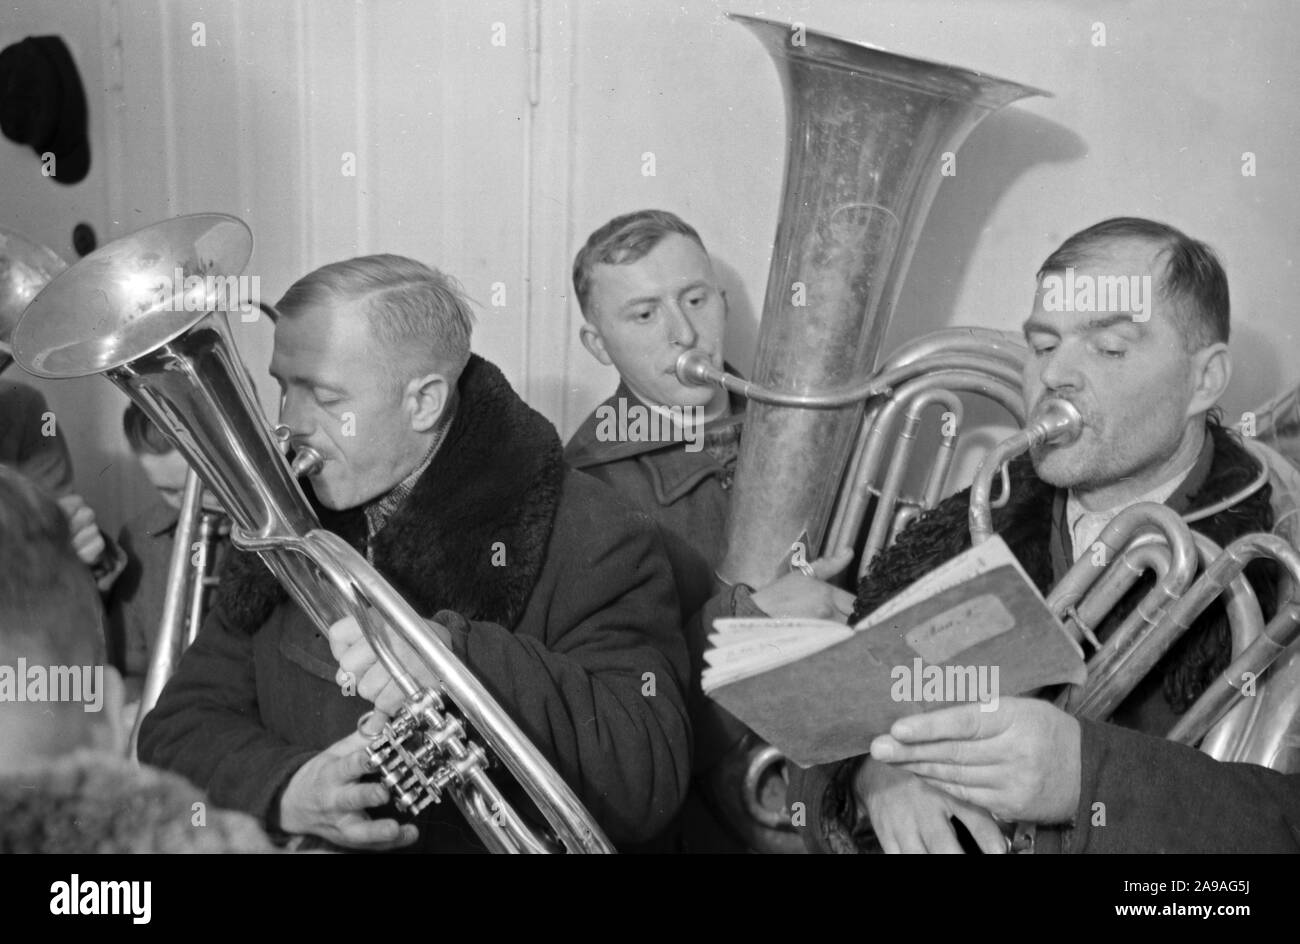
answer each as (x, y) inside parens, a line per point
(696, 369)
(306, 461)
(1056, 422)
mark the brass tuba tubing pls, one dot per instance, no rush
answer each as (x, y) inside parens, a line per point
(865, 130)
(966, 371)
(1175, 567)
(1280, 633)
(847, 523)
(891, 488)
(171, 639)
(1104, 693)
(1057, 421)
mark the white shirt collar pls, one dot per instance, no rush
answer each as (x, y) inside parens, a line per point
(1086, 526)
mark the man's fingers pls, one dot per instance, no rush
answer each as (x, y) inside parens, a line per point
(957, 753)
(81, 519)
(979, 797)
(983, 830)
(959, 775)
(939, 836)
(70, 503)
(360, 796)
(343, 634)
(825, 568)
(348, 746)
(377, 833)
(89, 545)
(843, 600)
(374, 681)
(390, 700)
(961, 722)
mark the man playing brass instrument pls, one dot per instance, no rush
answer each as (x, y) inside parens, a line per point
(557, 597)
(1145, 375)
(648, 291)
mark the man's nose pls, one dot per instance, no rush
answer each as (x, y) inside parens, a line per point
(1059, 369)
(293, 414)
(681, 331)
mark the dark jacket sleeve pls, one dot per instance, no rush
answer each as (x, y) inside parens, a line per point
(717, 731)
(1144, 794)
(207, 728)
(602, 695)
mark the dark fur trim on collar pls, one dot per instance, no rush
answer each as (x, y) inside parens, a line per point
(496, 479)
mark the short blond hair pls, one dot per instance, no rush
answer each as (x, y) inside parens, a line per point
(412, 308)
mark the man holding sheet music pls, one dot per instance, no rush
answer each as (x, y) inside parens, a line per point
(1146, 378)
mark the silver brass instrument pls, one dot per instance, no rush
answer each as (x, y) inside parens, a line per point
(933, 369)
(866, 133)
(169, 348)
(25, 268)
(189, 581)
(1150, 537)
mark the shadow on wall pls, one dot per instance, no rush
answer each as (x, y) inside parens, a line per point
(996, 154)
(1256, 369)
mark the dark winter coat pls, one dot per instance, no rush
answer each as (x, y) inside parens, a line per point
(686, 493)
(574, 632)
(1034, 528)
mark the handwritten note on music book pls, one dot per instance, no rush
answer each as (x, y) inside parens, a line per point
(974, 629)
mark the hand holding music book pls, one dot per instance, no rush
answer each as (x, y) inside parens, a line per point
(974, 629)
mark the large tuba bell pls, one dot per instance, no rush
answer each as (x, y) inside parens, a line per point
(25, 268)
(866, 134)
(149, 312)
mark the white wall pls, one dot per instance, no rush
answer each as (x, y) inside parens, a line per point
(494, 162)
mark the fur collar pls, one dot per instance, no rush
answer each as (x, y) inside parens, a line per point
(496, 478)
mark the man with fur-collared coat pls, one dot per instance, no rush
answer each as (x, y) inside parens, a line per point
(1145, 375)
(555, 595)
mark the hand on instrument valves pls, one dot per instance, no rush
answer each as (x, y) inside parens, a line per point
(798, 595)
(87, 540)
(326, 798)
(910, 816)
(1020, 762)
(371, 680)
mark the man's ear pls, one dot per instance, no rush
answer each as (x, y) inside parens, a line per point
(428, 397)
(594, 343)
(1212, 372)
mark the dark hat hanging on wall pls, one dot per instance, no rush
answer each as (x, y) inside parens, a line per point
(43, 104)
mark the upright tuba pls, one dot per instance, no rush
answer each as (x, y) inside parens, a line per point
(867, 133)
(149, 312)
